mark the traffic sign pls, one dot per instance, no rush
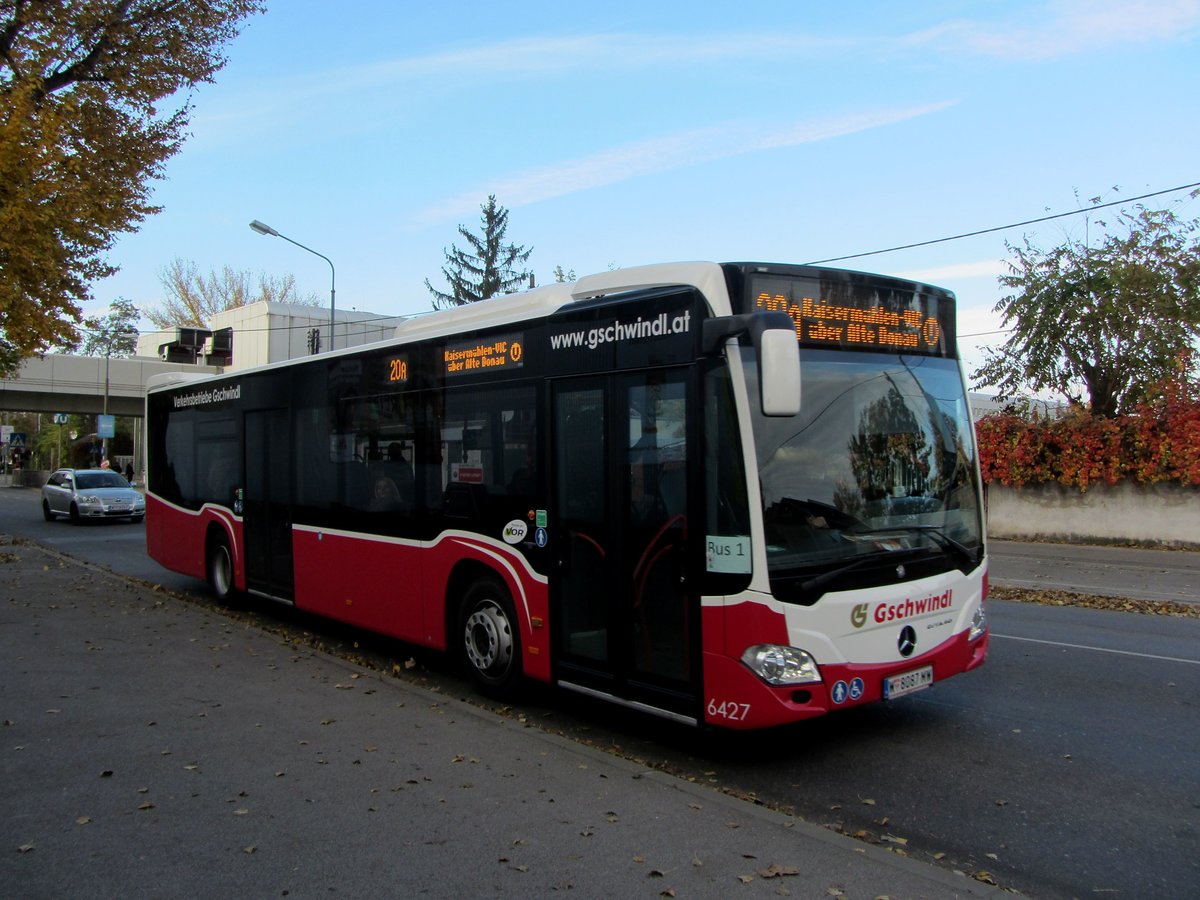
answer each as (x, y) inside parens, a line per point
(60, 418)
(16, 440)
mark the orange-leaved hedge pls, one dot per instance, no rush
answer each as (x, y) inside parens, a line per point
(1158, 442)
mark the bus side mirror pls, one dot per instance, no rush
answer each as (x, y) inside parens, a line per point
(779, 371)
(773, 335)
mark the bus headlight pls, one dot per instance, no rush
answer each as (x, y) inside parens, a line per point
(776, 664)
(978, 623)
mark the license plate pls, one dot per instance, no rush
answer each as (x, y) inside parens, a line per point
(907, 683)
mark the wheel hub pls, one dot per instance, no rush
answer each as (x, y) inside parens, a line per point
(488, 639)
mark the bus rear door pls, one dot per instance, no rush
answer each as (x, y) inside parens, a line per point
(267, 513)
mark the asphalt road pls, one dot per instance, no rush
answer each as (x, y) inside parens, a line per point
(1068, 766)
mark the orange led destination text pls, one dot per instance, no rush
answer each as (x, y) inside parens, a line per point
(499, 354)
(821, 322)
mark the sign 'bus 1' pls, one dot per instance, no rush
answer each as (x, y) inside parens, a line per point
(859, 316)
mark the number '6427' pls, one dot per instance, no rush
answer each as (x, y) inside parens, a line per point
(728, 709)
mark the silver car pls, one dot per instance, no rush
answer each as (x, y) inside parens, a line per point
(91, 494)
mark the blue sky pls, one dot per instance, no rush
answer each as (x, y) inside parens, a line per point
(620, 134)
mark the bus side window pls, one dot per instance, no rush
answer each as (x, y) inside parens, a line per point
(488, 449)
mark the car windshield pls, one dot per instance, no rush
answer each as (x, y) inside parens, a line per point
(879, 464)
(99, 479)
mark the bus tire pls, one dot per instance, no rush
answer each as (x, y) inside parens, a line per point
(219, 566)
(490, 641)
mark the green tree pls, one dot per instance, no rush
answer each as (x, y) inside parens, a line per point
(1104, 326)
(114, 334)
(193, 298)
(488, 268)
(82, 137)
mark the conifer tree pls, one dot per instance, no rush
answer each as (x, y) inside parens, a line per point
(487, 268)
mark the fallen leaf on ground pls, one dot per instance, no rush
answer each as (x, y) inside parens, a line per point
(777, 871)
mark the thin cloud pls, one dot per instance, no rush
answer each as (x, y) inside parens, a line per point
(663, 154)
(1056, 29)
(1067, 28)
(983, 268)
(525, 56)
(557, 53)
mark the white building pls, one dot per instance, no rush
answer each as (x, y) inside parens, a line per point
(262, 333)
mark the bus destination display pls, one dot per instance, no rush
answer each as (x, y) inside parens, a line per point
(858, 316)
(396, 368)
(499, 353)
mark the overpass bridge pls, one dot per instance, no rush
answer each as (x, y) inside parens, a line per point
(60, 383)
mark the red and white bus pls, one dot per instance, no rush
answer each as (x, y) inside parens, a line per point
(729, 494)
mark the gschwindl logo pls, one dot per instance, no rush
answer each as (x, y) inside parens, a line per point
(858, 615)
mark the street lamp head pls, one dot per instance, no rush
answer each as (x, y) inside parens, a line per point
(263, 228)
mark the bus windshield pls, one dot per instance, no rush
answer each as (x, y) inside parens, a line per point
(875, 480)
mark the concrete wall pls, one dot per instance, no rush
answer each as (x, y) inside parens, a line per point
(1166, 514)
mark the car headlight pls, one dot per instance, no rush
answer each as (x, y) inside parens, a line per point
(978, 624)
(777, 664)
(88, 499)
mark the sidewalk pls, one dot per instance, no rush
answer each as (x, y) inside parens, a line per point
(152, 748)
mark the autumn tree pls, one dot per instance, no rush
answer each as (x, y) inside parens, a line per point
(193, 298)
(82, 138)
(1104, 326)
(488, 268)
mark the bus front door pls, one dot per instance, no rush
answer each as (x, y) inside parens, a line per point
(627, 618)
(267, 510)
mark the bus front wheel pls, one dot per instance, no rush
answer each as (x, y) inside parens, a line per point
(220, 568)
(491, 643)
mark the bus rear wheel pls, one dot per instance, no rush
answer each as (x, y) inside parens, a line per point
(491, 642)
(220, 568)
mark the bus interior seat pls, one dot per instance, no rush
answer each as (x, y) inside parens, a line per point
(463, 501)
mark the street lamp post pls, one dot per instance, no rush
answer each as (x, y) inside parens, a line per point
(263, 228)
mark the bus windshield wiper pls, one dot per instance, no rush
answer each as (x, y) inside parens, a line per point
(935, 534)
(819, 581)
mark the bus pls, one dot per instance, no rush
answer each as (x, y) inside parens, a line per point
(736, 495)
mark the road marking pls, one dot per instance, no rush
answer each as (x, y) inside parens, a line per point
(1193, 662)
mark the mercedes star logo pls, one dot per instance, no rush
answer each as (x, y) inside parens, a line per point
(908, 640)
